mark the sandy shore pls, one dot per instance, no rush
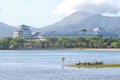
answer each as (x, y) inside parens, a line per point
(68, 49)
(92, 49)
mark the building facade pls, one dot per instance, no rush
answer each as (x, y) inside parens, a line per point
(23, 31)
(95, 32)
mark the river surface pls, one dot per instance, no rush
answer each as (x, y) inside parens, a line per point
(47, 65)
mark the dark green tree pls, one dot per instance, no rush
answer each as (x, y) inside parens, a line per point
(5, 43)
(17, 43)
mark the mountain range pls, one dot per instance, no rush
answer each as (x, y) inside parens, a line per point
(82, 20)
(74, 22)
(6, 30)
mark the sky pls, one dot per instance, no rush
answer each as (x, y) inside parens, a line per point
(40, 13)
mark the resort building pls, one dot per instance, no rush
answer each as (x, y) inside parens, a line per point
(84, 34)
(23, 31)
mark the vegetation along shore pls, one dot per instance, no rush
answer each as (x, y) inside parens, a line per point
(95, 42)
(95, 66)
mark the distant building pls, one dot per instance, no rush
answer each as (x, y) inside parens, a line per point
(101, 32)
(99, 29)
(96, 32)
(23, 31)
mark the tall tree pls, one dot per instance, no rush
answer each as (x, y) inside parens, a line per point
(5, 42)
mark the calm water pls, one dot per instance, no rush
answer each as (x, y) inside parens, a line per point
(47, 65)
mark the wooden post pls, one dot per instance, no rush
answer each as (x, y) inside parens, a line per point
(63, 59)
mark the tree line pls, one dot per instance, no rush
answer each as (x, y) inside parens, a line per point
(91, 42)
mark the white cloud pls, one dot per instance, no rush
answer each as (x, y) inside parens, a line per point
(92, 6)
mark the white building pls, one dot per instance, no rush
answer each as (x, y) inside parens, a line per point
(99, 31)
(23, 31)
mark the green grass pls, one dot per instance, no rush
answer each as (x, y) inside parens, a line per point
(95, 66)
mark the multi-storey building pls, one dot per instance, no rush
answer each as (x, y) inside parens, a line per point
(84, 34)
(23, 31)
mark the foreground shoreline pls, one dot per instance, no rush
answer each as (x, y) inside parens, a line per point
(74, 49)
(95, 66)
(95, 49)
(65, 49)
